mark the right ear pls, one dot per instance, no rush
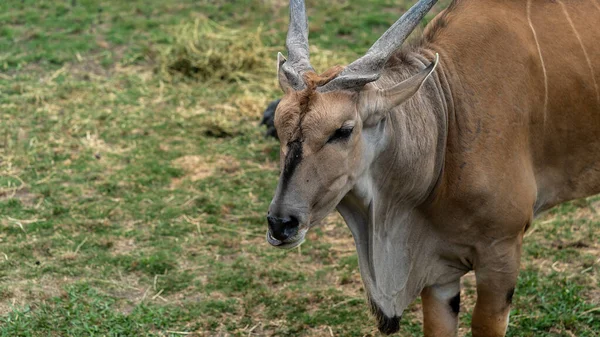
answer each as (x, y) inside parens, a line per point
(284, 82)
(375, 103)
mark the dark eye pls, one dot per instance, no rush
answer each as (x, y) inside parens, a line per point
(341, 134)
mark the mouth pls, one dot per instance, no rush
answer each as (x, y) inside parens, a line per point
(290, 243)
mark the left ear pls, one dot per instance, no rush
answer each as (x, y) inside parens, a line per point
(375, 103)
(284, 82)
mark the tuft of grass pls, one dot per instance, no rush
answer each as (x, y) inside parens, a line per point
(207, 51)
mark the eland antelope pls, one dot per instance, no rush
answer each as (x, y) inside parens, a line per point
(438, 155)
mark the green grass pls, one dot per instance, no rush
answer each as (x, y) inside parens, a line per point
(133, 204)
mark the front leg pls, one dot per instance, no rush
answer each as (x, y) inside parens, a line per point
(441, 304)
(496, 274)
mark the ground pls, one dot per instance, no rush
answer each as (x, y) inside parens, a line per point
(134, 183)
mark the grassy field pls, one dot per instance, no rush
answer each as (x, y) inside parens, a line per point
(133, 185)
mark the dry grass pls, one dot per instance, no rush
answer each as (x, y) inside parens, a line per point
(207, 51)
(199, 167)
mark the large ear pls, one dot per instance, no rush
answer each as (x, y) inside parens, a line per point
(284, 82)
(374, 103)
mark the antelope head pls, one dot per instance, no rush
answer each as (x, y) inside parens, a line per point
(327, 123)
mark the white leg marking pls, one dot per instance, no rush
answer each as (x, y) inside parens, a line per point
(446, 291)
(587, 58)
(537, 43)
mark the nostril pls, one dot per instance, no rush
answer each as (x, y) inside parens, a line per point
(293, 221)
(290, 227)
(273, 221)
(283, 228)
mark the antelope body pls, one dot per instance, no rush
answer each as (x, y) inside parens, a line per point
(439, 167)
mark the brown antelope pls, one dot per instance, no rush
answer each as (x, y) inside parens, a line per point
(438, 167)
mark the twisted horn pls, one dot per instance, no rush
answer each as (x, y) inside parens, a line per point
(368, 68)
(297, 46)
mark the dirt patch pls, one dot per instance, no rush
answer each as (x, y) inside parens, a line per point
(22, 194)
(93, 142)
(23, 292)
(197, 167)
(88, 69)
(594, 296)
(123, 247)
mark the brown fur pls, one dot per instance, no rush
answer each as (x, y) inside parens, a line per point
(438, 317)
(296, 104)
(439, 23)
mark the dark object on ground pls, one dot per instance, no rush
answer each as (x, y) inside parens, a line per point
(269, 119)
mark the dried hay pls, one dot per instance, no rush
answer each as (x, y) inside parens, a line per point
(205, 50)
